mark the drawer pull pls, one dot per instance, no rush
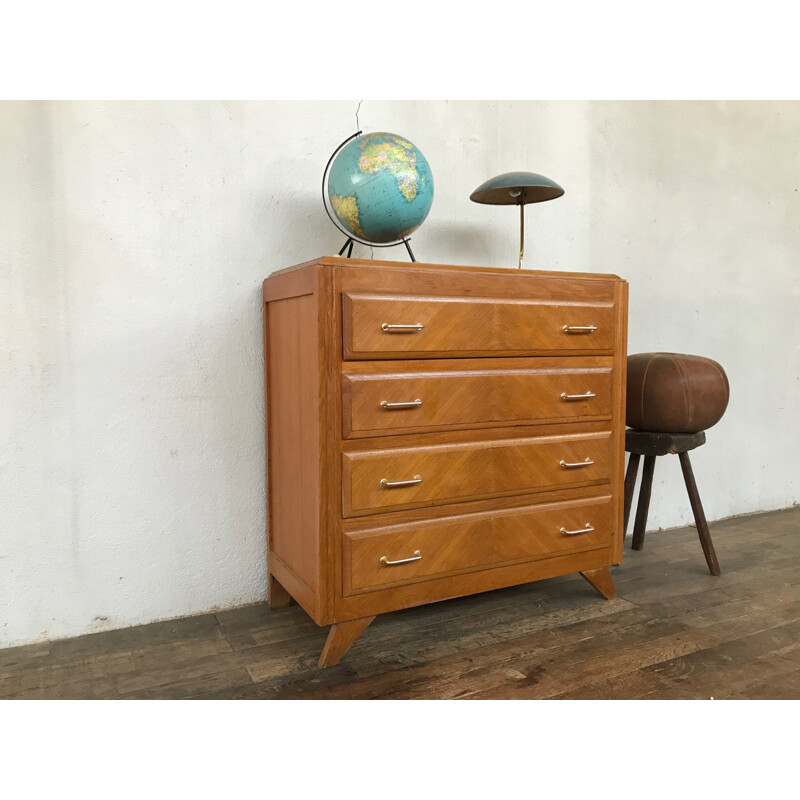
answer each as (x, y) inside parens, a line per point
(579, 328)
(386, 328)
(585, 396)
(409, 404)
(566, 464)
(395, 484)
(587, 529)
(416, 557)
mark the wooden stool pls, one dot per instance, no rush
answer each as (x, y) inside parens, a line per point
(650, 445)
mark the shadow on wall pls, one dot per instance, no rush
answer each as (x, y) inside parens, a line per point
(293, 233)
(464, 244)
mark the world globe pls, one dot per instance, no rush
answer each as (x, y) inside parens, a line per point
(380, 188)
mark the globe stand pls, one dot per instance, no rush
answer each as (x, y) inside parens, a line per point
(348, 245)
(351, 241)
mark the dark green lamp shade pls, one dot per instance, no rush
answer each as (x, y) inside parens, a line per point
(516, 188)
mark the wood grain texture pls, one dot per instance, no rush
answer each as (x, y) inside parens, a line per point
(699, 515)
(438, 280)
(330, 415)
(497, 394)
(619, 377)
(435, 588)
(643, 505)
(673, 632)
(508, 367)
(650, 443)
(602, 581)
(297, 589)
(294, 435)
(340, 636)
(377, 272)
(293, 284)
(473, 542)
(630, 484)
(470, 470)
(470, 325)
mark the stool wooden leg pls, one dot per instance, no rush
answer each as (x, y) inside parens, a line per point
(644, 502)
(630, 485)
(699, 515)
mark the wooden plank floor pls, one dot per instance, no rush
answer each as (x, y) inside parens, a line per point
(673, 632)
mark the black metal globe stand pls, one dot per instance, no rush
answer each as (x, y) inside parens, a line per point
(351, 238)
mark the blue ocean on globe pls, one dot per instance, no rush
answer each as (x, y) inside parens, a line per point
(380, 187)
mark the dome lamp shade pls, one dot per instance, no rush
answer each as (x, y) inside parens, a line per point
(517, 189)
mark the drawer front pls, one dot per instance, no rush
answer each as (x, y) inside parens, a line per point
(408, 477)
(401, 554)
(418, 401)
(379, 326)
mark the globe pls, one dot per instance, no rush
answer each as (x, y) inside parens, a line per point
(380, 187)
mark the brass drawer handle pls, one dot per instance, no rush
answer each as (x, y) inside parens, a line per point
(416, 557)
(409, 404)
(386, 328)
(579, 328)
(587, 529)
(565, 396)
(395, 484)
(566, 465)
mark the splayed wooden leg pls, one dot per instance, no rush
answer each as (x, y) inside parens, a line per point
(630, 485)
(601, 580)
(644, 502)
(340, 637)
(699, 515)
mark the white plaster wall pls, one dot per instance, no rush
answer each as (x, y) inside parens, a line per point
(133, 241)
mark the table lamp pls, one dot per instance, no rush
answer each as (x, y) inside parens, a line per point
(517, 188)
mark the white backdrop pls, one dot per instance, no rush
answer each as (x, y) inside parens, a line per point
(133, 241)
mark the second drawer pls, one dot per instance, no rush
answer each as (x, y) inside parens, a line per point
(409, 477)
(409, 397)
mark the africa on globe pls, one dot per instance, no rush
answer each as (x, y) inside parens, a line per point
(380, 187)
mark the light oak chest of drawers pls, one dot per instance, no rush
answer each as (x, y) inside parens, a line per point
(435, 431)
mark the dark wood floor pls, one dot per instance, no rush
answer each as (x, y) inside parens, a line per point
(673, 632)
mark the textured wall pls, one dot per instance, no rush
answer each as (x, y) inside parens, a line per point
(133, 240)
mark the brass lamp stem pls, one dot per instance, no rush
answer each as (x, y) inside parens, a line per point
(521, 233)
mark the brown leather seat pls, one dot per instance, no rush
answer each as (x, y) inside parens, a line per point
(675, 393)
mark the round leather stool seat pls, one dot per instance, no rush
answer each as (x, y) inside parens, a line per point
(675, 393)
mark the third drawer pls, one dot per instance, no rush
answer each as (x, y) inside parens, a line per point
(411, 477)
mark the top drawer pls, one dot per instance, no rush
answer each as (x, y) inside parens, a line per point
(386, 326)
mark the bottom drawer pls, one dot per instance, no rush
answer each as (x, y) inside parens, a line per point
(399, 554)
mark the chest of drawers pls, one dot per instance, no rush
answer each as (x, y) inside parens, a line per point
(436, 431)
